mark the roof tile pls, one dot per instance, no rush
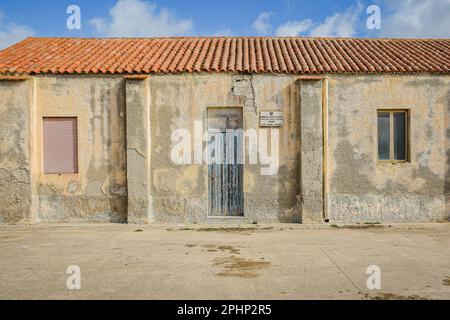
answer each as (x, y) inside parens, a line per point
(226, 54)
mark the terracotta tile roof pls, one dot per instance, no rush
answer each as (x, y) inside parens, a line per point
(226, 54)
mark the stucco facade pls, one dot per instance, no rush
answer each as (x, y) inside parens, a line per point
(361, 187)
(328, 167)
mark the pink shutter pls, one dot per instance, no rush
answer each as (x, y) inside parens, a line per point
(60, 145)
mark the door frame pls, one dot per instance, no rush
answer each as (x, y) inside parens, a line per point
(208, 211)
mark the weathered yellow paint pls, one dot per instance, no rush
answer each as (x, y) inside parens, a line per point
(359, 187)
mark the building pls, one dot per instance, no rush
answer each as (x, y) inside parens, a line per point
(345, 130)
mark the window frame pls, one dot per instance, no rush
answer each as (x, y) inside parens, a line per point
(391, 136)
(77, 142)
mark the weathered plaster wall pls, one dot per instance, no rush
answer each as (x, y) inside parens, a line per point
(180, 192)
(138, 151)
(99, 191)
(446, 102)
(311, 159)
(102, 104)
(15, 169)
(363, 189)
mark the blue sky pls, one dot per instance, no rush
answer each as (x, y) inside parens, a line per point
(106, 18)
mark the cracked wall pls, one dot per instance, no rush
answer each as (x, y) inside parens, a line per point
(363, 189)
(138, 144)
(15, 171)
(175, 193)
(180, 192)
(98, 193)
(311, 159)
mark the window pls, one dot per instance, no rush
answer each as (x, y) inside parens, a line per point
(60, 145)
(393, 135)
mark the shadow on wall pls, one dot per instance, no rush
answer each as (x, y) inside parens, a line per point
(288, 177)
(99, 192)
(118, 199)
(447, 153)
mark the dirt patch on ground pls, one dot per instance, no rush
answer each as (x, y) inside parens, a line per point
(359, 226)
(238, 230)
(215, 248)
(232, 250)
(238, 267)
(446, 281)
(392, 296)
(225, 229)
(233, 265)
(210, 247)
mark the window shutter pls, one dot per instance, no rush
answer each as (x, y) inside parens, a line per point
(60, 145)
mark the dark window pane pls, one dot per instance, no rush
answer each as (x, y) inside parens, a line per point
(383, 136)
(399, 136)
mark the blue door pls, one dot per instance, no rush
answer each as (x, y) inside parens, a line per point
(225, 163)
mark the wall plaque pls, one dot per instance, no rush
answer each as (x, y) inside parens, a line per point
(271, 119)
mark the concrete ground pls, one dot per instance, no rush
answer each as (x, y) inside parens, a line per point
(278, 261)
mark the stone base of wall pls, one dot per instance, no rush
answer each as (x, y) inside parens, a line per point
(82, 209)
(351, 208)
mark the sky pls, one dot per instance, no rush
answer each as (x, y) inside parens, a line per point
(151, 18)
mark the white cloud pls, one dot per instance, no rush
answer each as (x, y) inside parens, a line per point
(11, 33)
(262, 25)
(293, 28)
(416, 18)
(339, 25)
(138, 18)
